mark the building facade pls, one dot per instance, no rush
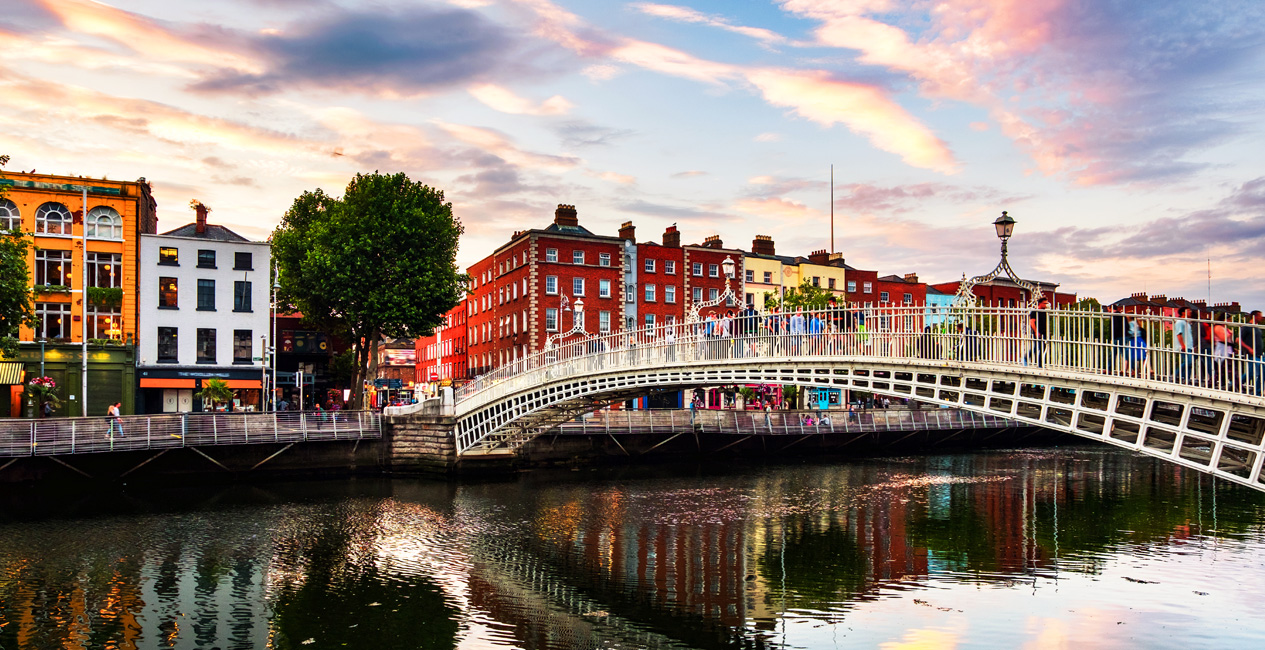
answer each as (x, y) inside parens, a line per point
(441, 357)
(84, 274)
(204, 313)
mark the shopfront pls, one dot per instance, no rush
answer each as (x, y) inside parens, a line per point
(174, 390)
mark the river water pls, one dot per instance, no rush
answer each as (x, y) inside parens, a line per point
(1082, 548)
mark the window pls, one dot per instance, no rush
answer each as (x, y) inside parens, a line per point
(206, 259)
(105, 270)
(551, 319)
(869, 288)
(749, 275)
(603, 259)
(241, 296)
(751, 300)
(883, 296)
(52, 219)
(551, 255)
(105, 323)
(577, 286)
(698, 294)
(242, 346)
(52, 268)
(649, 293)
(698, 269)
(669, 293)
(206, 345)
(909, 299)
(713, 270)
(669, 267)
(551, 285)
(604, 289)
(167, 293)
(768, 277)
(852, 286)
(169, 256)
(168, 349)
(649, 320)
(206, 295)
(52, 320)
(816, 280)
(630, 293)
(104, 222)
(712, 293)
(10, 218)
(243, 261)
(603, 322)
(577, 257)
(831, 283)
(649, 266)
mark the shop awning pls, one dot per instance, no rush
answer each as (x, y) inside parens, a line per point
(157, 382)
(10, 372)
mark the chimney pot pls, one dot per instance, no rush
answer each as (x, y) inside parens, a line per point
(763, 245)
(566, 215)
(628, 231)
(672, 237)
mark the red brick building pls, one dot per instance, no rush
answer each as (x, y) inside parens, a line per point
(1003, 292)
(441, 357)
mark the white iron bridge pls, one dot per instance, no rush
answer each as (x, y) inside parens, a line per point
(1185, 390)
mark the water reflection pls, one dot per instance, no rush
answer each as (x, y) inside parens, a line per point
(1037, 547)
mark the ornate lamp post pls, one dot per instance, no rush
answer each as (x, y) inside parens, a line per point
(1005, 226)
(577, 325)
(728, 267)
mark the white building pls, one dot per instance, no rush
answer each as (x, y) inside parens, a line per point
(204, 312)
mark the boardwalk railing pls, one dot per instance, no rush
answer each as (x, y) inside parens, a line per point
(1215, 355)
(60, 436)
(656, 421)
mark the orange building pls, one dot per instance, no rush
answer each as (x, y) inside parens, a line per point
(58, 211)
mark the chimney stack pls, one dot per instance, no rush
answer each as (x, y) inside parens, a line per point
(713, 242)
(762, 245)
(819, 257)
(201, 210)
(565, 215)
(911, 277)
(628, 231)
(671, 237)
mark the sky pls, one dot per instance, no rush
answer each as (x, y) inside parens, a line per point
(1124, 136)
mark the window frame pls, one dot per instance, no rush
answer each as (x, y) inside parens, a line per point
(697, 269)
(713, 270)
(113, 223)
(173, 342)
(237, 261)
(577, 256)
(551, 279)
(669, 267)
(884, 296)
(649, 293)
(205, 339)
(603, 288)
(168, 256)
(551, 255)
(206, 294)
(551, 313)
(64, 224)
(168, 287)
(238, 294)
(10, 215)
(250, 347)
(577, 286)
(669, 294)
(648, 266)
(206, 258)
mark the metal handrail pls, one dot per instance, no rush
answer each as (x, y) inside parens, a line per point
(1217, 363)
(743, 422)
(59, 436)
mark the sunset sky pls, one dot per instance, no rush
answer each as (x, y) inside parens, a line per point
(1120, 133)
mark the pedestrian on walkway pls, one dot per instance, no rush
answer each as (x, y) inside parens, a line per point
(116, 419)
(1039, 327)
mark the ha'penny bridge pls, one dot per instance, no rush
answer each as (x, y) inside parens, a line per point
(1201, 409)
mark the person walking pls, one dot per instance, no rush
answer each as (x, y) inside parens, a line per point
(1252, 344)
(115, 418)
(1183, 347)
(797, 328)
(1039, 327)
(1117, 326)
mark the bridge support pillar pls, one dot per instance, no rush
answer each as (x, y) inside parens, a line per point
(418, 443)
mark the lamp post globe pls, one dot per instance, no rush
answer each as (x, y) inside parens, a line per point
(1005, 225)
(578, 306)
(728, 266)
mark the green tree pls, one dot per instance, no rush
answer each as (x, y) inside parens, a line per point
(380, 261)
(805, 295)
(16, 308)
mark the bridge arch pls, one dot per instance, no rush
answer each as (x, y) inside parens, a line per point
(1215, 431)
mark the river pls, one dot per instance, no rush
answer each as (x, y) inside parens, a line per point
(1048, 548)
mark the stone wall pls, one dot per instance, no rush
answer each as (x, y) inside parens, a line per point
(419, 443)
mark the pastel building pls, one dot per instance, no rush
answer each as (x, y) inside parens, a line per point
(204, 313)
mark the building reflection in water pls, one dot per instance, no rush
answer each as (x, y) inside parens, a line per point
(653, 561)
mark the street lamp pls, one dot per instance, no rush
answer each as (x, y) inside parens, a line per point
(577, 324)
(696, 310)
(1005, 227)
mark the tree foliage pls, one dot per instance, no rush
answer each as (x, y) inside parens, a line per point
(380, 261)
(214, 391)
(16, 308)
(805, 295)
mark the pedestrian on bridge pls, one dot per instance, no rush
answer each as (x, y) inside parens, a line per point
(1252, 343)
(1183, 346)
(1039, 326)
(116, 419)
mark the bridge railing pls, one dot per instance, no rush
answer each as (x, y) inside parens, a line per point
(743, 422)
(1218, 354)
(61, 436)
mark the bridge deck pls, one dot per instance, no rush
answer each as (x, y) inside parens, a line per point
(668, 421)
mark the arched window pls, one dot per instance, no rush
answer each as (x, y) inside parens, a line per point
(52, 219)
(10, 219)
(104, 222)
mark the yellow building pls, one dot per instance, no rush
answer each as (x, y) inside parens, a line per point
(58, 211)
(770, 273)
